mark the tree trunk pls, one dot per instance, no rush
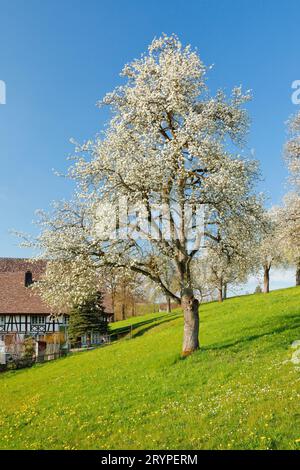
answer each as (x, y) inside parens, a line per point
(123, 312)
(298, 275)
(266, 279)
(169, 305)
(225, 291)
(191, 323)
(220, 294)
(113, 304)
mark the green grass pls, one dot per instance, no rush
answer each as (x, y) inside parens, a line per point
(240, 391)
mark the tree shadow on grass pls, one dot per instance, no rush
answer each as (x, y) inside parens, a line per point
(138, 329)
(153, 325)
(287, 323)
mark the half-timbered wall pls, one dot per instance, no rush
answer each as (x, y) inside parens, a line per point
(31, 324)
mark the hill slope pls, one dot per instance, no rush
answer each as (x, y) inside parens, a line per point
(240, 391)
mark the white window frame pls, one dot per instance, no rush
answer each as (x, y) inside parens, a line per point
(38, 320)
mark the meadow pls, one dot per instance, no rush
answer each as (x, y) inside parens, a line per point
(239, 391)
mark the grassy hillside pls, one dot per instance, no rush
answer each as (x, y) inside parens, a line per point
(240, 391)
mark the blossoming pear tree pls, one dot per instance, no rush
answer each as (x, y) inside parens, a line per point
(270, 251)
(290, 230)
(168, 145)
(290, 214)
(229, 258)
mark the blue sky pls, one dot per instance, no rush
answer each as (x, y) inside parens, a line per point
(58, 58)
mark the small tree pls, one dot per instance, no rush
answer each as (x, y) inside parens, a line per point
(229, 257)
(126, 291)
(29, 348)
(258, 289)
(88, 318)
(270, 250)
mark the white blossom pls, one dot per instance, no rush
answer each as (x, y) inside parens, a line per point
(168, 142)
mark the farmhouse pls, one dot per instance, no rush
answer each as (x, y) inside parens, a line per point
(22, 311)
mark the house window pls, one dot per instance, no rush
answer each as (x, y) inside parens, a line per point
(2, 320)
(28, 279)
(96, 338)
(38, 320)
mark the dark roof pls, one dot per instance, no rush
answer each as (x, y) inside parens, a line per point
(18, 299)
(15, 298)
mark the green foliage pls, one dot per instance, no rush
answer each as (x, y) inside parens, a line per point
(29, 348)
(258, 289)
(240, 391)
(87, 318)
